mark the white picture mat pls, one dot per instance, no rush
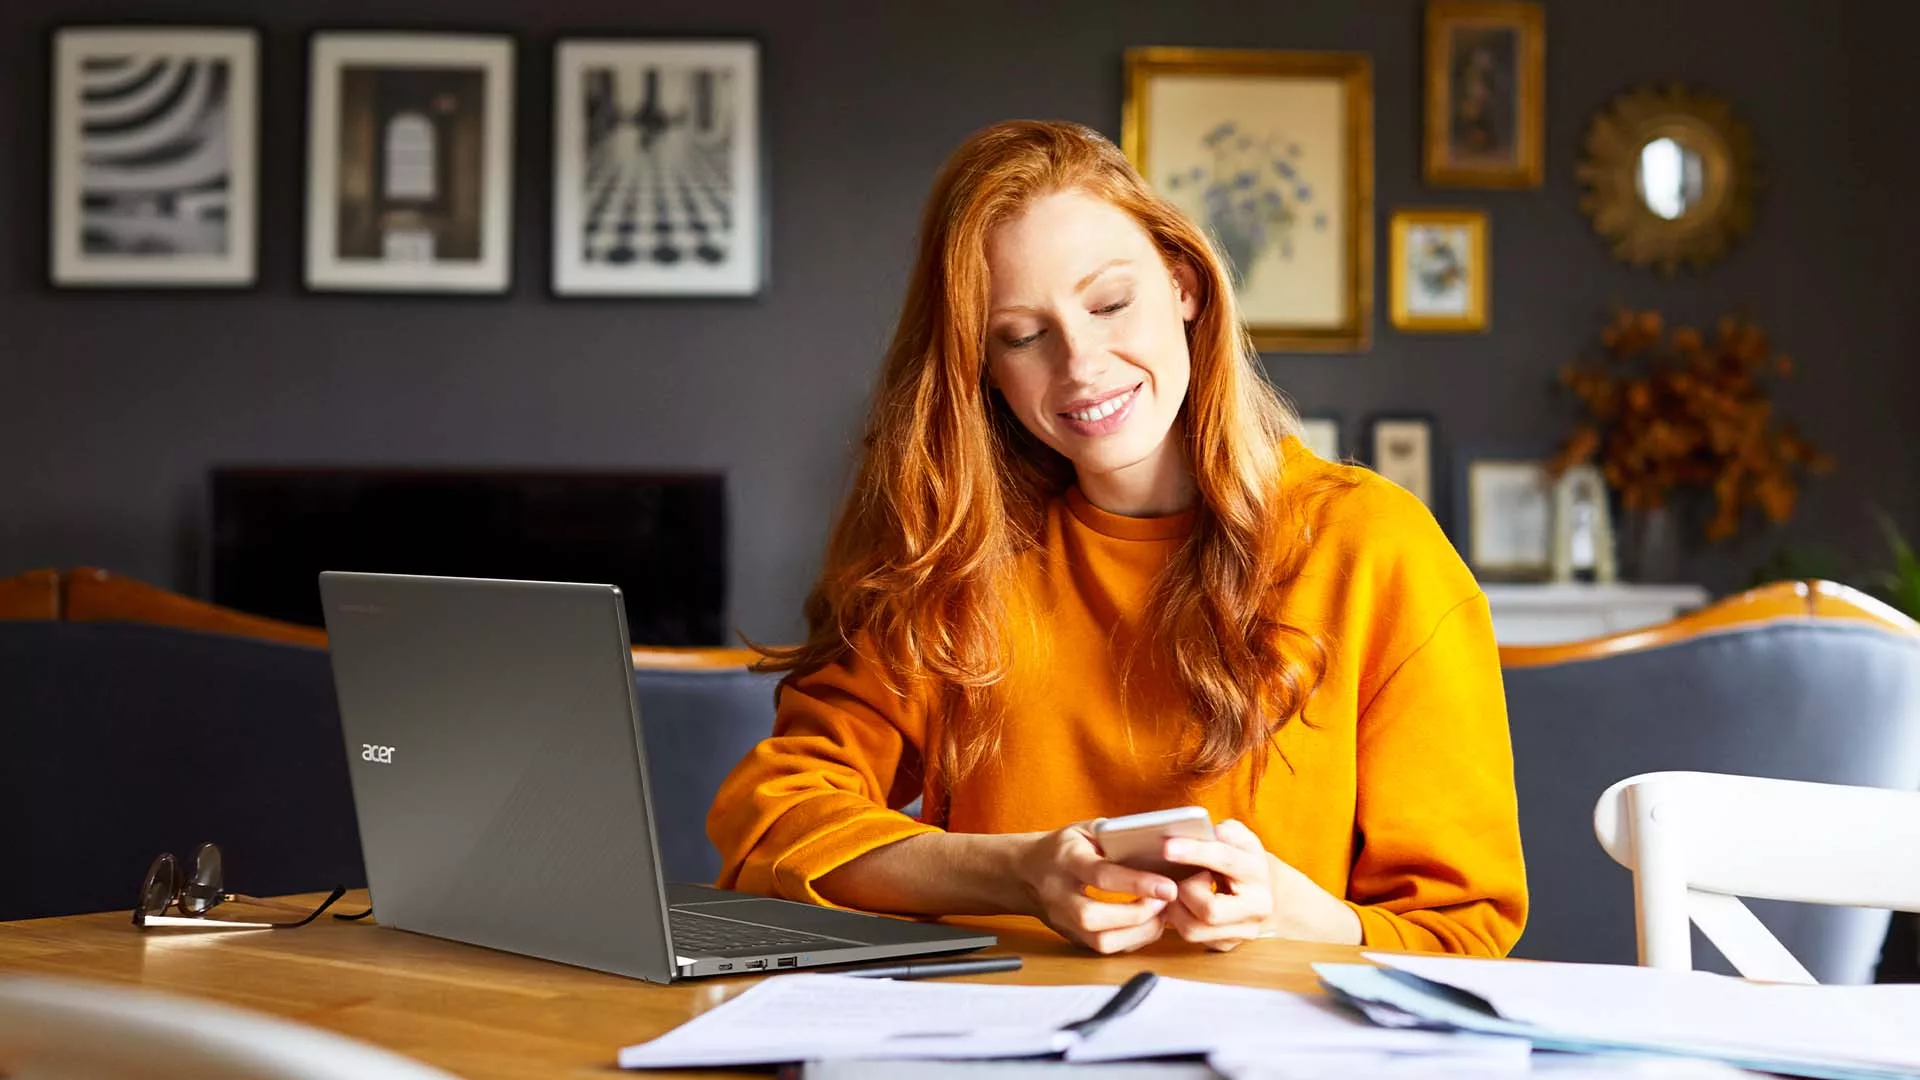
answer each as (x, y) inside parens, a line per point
(334, 50)
(741, 275)
(1415, 473)
(1510, 511)
(1308, 290)
(1322, 436)
(241, 50)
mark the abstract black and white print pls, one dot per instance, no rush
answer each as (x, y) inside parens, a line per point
(156, 160)
(657, 185)
(657, 171)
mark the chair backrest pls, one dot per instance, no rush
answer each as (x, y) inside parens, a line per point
(1802, 681)
(90, 594)
(1696, 842)
(701, 711)
(148, 721)
(34, 595)
(51, 1029)
(126, 740)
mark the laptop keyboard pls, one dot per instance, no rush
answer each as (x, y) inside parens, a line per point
(696, 933)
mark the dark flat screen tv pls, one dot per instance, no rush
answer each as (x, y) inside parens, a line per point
(661, 537)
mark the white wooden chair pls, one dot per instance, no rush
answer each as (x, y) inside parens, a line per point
(61, 1029)
(1697, 842)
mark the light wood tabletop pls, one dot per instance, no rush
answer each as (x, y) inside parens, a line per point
(484, 1014)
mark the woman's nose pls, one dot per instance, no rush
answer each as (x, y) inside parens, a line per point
(1086, 357)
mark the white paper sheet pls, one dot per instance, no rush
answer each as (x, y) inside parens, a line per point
(1869, 1025)
(1183, 1017)
(799, 1017)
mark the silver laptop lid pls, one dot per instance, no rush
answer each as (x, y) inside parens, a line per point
(498, 772)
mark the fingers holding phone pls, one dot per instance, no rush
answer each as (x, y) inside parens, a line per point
(1060, 866)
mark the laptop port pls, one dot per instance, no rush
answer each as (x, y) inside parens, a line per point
(789, 961)
(754, 964)
(726, 967)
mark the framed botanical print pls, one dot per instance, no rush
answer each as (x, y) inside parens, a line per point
(1272, 154)
(657, 169)
(1486, 94)
(409, 162)
(155, 168)
(1438, 270)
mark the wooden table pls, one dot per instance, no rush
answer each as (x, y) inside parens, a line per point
(484, 1014)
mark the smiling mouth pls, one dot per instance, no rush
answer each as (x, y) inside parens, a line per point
(1095, 413)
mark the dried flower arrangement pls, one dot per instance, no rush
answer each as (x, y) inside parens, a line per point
(1667, 412)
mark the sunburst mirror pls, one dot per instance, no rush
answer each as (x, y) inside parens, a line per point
(1668, 176)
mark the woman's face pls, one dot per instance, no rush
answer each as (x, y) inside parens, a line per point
(1086, 341)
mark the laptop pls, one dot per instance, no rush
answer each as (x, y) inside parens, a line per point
(494, 745)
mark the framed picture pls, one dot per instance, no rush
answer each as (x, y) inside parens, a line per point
(657, 169)
(409, 162)
(1402, 451)
(1486, 93)
(1272, 154)
(1510, 520)
(1321, 434)
(1439, 270)
(155, 167)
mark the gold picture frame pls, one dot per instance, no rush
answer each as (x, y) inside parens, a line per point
(1438, 270)
(1486, 116)
(1272, 153)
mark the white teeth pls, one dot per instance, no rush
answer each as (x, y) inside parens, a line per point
(1100, 411)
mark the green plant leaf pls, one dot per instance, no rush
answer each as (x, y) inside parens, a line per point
(1902, 583)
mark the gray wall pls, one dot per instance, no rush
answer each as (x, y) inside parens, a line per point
(113, 406)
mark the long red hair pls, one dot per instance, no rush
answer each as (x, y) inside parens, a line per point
(951, 488)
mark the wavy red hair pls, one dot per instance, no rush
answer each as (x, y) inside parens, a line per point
(951, 488)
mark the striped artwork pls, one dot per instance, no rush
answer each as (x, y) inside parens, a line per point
(156, 163)
(154, 169)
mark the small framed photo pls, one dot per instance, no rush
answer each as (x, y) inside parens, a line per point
(1272, 153)
(409, 162)
(658, 169)
(155, 167)
(1321, 434)
(1485, 94)
(1439, 270)
(1402, 451)
(1510, 520)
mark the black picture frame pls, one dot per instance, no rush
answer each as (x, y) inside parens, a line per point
(67, 266)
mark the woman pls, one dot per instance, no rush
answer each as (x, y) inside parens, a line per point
(1086, 570)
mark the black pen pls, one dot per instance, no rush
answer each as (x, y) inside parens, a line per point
(933, 969)
(1131, 994)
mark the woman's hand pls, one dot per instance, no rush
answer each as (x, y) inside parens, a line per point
(1250, 894)
(1056, 869)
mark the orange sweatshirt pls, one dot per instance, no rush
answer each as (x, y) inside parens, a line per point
(1396, 795)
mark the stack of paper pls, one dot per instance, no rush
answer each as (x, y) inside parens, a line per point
(1836, 1032)
(820, 1017)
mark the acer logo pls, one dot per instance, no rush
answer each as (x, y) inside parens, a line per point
(379, 755)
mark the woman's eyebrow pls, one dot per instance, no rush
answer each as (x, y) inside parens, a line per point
(1079, 286)
(1103, 268)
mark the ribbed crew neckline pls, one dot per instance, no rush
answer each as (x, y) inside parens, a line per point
(1121, 527)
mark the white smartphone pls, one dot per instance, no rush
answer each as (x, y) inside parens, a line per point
(1136, 840)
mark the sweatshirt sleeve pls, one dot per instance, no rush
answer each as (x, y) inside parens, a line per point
(1438, 866)
(823, 789)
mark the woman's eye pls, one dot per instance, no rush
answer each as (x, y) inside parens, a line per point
(1114, 308)
(1023, 342)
